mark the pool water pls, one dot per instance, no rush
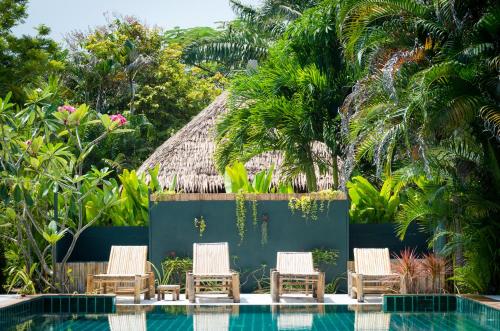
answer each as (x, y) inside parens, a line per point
(221, 318)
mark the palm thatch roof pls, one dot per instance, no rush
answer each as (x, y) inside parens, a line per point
(189, 155)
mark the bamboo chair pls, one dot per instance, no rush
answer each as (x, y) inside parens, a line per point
(127, 322)
(376, 321)
(295, 273)
(127, 265)
(372, 273)
(211, 272)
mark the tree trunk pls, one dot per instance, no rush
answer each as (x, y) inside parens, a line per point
(335, 172)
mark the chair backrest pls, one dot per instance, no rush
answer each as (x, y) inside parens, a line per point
(211, 259)
(295, 263)
(128, 260)
(372, 261)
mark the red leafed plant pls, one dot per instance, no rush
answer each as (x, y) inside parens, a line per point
(435, 269)
(407, 266)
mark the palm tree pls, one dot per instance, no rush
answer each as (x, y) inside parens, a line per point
(427, 100)
(249, 37)
(290, 102)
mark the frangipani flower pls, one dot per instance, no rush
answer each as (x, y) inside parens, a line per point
(118, 118)
(67, 108)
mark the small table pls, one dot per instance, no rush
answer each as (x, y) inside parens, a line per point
(174, 289)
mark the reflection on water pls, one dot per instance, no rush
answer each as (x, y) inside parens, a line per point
(233, 317)
(225, 318)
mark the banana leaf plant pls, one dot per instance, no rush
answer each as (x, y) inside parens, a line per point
(368, 204)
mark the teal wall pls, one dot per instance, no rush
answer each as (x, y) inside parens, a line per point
(172, 230)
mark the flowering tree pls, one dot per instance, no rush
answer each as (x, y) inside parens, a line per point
(43, 186)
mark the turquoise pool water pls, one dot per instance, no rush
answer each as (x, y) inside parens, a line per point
(221, 318)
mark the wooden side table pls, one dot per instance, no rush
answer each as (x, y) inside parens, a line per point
(174, 289)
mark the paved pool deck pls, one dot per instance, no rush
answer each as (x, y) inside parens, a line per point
(253, 299)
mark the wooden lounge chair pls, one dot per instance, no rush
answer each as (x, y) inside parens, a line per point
(295, 273)
(372, 273)
(211, 272)
(127, 265)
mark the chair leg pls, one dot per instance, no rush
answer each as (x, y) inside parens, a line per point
(147, 294)
(151, 285)
(359, 288)
(137, 289)
(275, 296)
(321, 287)
(90, 283)
(235, 285)
(190, 291)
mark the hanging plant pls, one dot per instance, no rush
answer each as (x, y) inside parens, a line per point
(309, 205)
(236, 181)
(254, 210)
(200, 224)
(240, 215)
(306, 205)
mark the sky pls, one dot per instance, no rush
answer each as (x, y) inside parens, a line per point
(64, 16)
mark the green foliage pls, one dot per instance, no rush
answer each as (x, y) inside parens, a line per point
(127, 66)
(132, 193)
(236, 181)
(41, 166)
(173, 271)
(26, 60)
(424, 111)
(200, 224)
(313, 203)
(369, 205)
(289, 103)
(322, 256)
(247, 38)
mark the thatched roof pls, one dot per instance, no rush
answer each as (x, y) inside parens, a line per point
(189, 155)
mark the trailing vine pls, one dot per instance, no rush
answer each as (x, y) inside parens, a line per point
(254, 210)
(200, 224)
(240, 215)
(309, 205)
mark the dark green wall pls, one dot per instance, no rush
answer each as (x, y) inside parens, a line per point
(94, 244)
(172, 230)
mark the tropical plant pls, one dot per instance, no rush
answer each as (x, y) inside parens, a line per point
(247, 39)
(424, 110)
(236, 180)
(43, 185)
(126, 65)
(435, 269)
(289, 102)
(407, 267)
(132, 193)
(369, 205)
(173, 271)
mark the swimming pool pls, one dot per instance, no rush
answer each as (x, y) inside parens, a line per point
(233, 317)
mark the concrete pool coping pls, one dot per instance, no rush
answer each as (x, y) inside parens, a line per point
(127, 302)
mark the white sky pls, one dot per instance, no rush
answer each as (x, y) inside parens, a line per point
(64, 16)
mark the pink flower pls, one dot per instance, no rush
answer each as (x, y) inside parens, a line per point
(118, 118)
(67, 108)
(28, 142)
